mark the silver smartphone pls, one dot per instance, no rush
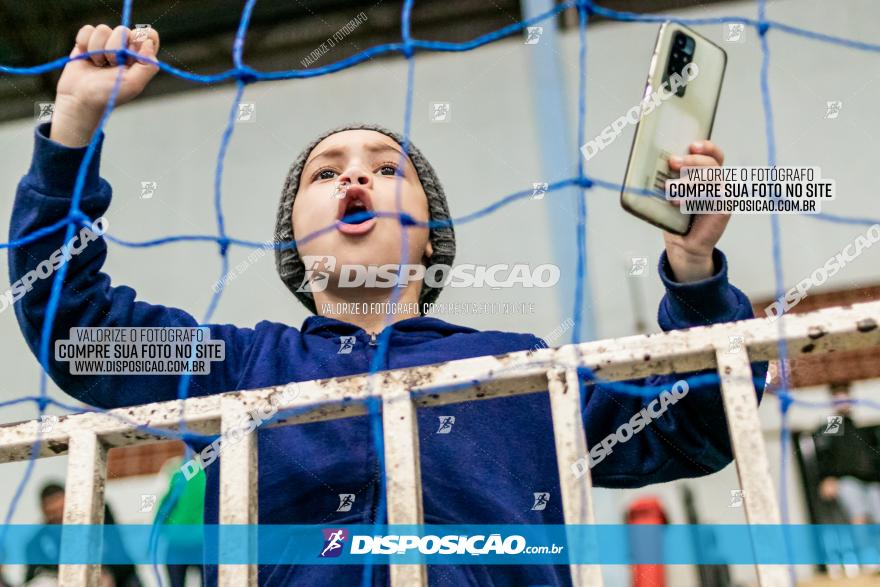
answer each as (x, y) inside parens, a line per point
(678, 108)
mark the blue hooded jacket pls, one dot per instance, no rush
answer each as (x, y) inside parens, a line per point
(484, 471)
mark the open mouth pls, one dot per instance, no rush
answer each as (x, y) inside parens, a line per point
(355, 215)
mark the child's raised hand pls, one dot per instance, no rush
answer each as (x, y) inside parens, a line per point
(690, 256)
(86, 84)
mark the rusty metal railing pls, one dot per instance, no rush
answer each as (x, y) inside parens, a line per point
(87, 437)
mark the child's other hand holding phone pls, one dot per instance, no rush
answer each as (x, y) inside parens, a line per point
(690, 255)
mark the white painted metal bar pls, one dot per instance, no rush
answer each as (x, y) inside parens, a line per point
(87, 436)
(238, 492)
(83, 504)
(571, 445)
(400, 429)
(840, 328)
(750, 452)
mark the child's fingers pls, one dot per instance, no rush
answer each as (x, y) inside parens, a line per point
(81, 43)
(142, 72)
(707, 148)
(154, 36)
(97, 42)
(138, 39)
(115, 42)
(676, 162)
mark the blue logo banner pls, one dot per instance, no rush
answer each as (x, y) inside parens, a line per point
(615, 544)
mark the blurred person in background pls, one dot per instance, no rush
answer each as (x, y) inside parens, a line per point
(46, 545)
(849, 469)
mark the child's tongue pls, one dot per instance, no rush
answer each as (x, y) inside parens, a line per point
(356, 213)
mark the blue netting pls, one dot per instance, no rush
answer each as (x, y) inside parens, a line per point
(244, 75)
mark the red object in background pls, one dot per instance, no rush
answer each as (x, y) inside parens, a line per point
(647, 510)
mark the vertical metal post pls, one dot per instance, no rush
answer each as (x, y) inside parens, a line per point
(400, 430)
(571, 445)
(83, 504)
(238, 492)
(752, 464)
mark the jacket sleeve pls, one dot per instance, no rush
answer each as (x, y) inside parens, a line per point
(88, 299)
(690, 438)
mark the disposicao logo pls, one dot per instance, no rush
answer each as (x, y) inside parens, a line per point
(334, 538)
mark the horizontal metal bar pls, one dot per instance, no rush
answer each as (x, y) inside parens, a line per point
(840, 328)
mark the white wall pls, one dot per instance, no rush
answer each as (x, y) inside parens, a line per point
(489, 149)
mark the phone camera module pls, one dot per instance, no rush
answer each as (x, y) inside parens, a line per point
(689, 44)
(683, 48)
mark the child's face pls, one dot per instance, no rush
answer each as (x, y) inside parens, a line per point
(352, 171)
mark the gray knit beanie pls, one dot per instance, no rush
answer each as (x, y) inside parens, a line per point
(287, 260)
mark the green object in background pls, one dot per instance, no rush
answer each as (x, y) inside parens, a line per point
(190, 506)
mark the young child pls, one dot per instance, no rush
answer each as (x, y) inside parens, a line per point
(499, 453)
